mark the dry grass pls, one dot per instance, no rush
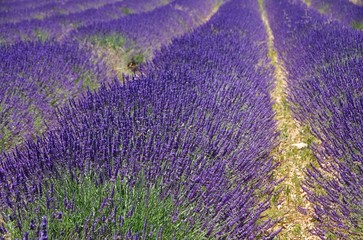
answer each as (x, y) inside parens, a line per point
(293, 155)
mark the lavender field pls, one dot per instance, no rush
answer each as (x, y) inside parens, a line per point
(181, 119)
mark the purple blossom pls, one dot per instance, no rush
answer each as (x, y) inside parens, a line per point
(57, 20)
(43, 231)
(164, 24)
(324, 60)
(199, 120)
(38, 77)
(344, 11)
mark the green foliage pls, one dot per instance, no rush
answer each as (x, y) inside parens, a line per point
(103, 210)
(135, 60)
(114, 41)
(5, 136)
(41, 35)
(2, 41)
(89, 81)
(357, 25)
(331, 236)
(138, 58)
(38, 124)
(126, 10)
(54, 102)
(297, 230)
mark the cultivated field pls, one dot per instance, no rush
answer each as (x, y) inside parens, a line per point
(181, 119)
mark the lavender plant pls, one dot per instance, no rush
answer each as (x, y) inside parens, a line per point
(194, 133)
(83, 207)
(49, 9)
(20, 5)
(323, 60)
(58, 26)
(342, 10)
(38, 77)
(164, 24)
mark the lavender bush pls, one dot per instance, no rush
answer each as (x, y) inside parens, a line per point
(50, 9)
(342, 10)
(193, 133)
(8, 5)
(58, 26)
(324, 60)
(164, 24)
(38, 77)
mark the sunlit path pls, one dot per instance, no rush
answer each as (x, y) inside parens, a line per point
(292, 154)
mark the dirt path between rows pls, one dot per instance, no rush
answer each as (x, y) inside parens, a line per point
(293, 154)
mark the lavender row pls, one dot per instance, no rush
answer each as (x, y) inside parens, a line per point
(164, 24)
(342, 10)
(20, 5)
(29, 7)
(29, 117)
(50, 9)
(38, 77)
(323, 60)
(197, 125)
(59, 25)
(111, 11)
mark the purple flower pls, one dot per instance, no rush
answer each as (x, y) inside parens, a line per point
(43, 231)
